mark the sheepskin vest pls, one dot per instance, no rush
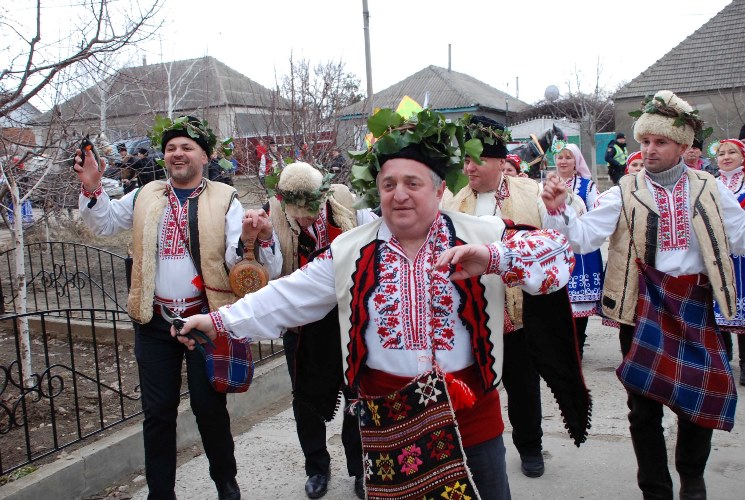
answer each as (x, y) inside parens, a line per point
(340, 203)
(207, 217)
(521, 207)
(628, 242)
(482, 297)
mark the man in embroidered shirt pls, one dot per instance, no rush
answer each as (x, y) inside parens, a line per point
(698, 223)
(186, 230)
(402, 317)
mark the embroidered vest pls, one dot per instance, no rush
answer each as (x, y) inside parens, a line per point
(621, 289)
(482, 298)
(209, 216)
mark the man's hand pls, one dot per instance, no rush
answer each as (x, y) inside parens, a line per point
(256, 223)
(554, 193)
(473, 260)
(201, 322)
(88, 172)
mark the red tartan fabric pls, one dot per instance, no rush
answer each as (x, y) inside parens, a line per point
(676, 356)
(230, 365)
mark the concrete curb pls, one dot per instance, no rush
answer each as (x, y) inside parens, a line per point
(97, 466)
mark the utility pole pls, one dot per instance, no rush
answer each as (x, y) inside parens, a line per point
(368, 62)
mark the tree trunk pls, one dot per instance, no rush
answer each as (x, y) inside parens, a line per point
(24, 336)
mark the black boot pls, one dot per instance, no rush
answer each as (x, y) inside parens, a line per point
(692, 488)
(742, 372)
(228, 490)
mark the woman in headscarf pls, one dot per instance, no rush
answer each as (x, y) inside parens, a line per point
(586, 284)
(730, 157)
(634, 163)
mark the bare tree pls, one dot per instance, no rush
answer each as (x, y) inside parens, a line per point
(41, 65)
(314, 94)
(593, 108)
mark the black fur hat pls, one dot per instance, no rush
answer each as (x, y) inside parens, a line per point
(499, 148)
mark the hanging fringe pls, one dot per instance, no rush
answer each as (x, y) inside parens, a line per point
(461, 396)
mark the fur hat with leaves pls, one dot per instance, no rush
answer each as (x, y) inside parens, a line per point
(302, 188)
(667, 115)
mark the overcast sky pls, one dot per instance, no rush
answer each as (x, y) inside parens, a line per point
(538, 42)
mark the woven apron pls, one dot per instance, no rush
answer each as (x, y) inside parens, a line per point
(411, 445)
(676, 355)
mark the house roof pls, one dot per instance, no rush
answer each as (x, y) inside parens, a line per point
(19, 117)
(712, 58)
(196, 84)
(448, 90)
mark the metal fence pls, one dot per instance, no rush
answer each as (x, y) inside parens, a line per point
(84, 376)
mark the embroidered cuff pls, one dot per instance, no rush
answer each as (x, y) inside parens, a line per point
(92, 194)
(494, 259)
(557, 211)
(218, 323)
(266, 243)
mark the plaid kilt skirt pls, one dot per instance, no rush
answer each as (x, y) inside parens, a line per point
(676, 355)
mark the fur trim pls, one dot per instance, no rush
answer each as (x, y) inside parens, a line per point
(300, 177)
(655, 124)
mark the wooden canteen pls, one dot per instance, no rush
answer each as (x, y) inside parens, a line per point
(248, 275)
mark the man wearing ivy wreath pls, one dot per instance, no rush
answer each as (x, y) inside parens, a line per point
(421, 338)
(308, 213)
(671, 231)
(186, 230)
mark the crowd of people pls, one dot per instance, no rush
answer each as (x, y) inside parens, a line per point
(407, 315)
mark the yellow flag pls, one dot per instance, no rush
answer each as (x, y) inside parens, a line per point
(408, 107)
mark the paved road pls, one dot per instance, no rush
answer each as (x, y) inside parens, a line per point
(271, 467)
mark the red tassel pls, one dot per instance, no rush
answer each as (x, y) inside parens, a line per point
(461, 396)
(198, 283)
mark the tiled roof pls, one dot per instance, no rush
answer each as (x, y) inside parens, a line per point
(447, 90)
(712, 58)
(197, 84)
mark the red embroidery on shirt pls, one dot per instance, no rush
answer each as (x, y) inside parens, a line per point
(674, 225)
(414, 302)
(733, 182)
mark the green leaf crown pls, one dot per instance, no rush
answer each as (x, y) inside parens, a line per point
(164, 124)
(438, 138)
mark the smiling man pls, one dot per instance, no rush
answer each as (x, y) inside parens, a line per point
(185, 232)
(669, 226)
(408, 330)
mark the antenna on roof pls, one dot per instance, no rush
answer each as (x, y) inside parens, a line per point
(449, 58)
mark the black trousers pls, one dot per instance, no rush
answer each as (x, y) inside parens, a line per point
(523, 386)
(645, 419)
(311, 427)
(159, 360)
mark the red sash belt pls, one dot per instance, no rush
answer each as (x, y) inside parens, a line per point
(480, 423)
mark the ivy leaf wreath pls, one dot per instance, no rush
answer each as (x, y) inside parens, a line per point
(437, 137)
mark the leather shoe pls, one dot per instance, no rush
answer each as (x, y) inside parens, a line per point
(359, 487)
(532, 465)
(228, 490)
(317, 485)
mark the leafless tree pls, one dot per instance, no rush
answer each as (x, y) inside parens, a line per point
(305, 106)
(42, 65)
(592, 107)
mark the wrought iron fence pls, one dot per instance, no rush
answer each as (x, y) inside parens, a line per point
(66, 276)
(84, 376)
(83, 381)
